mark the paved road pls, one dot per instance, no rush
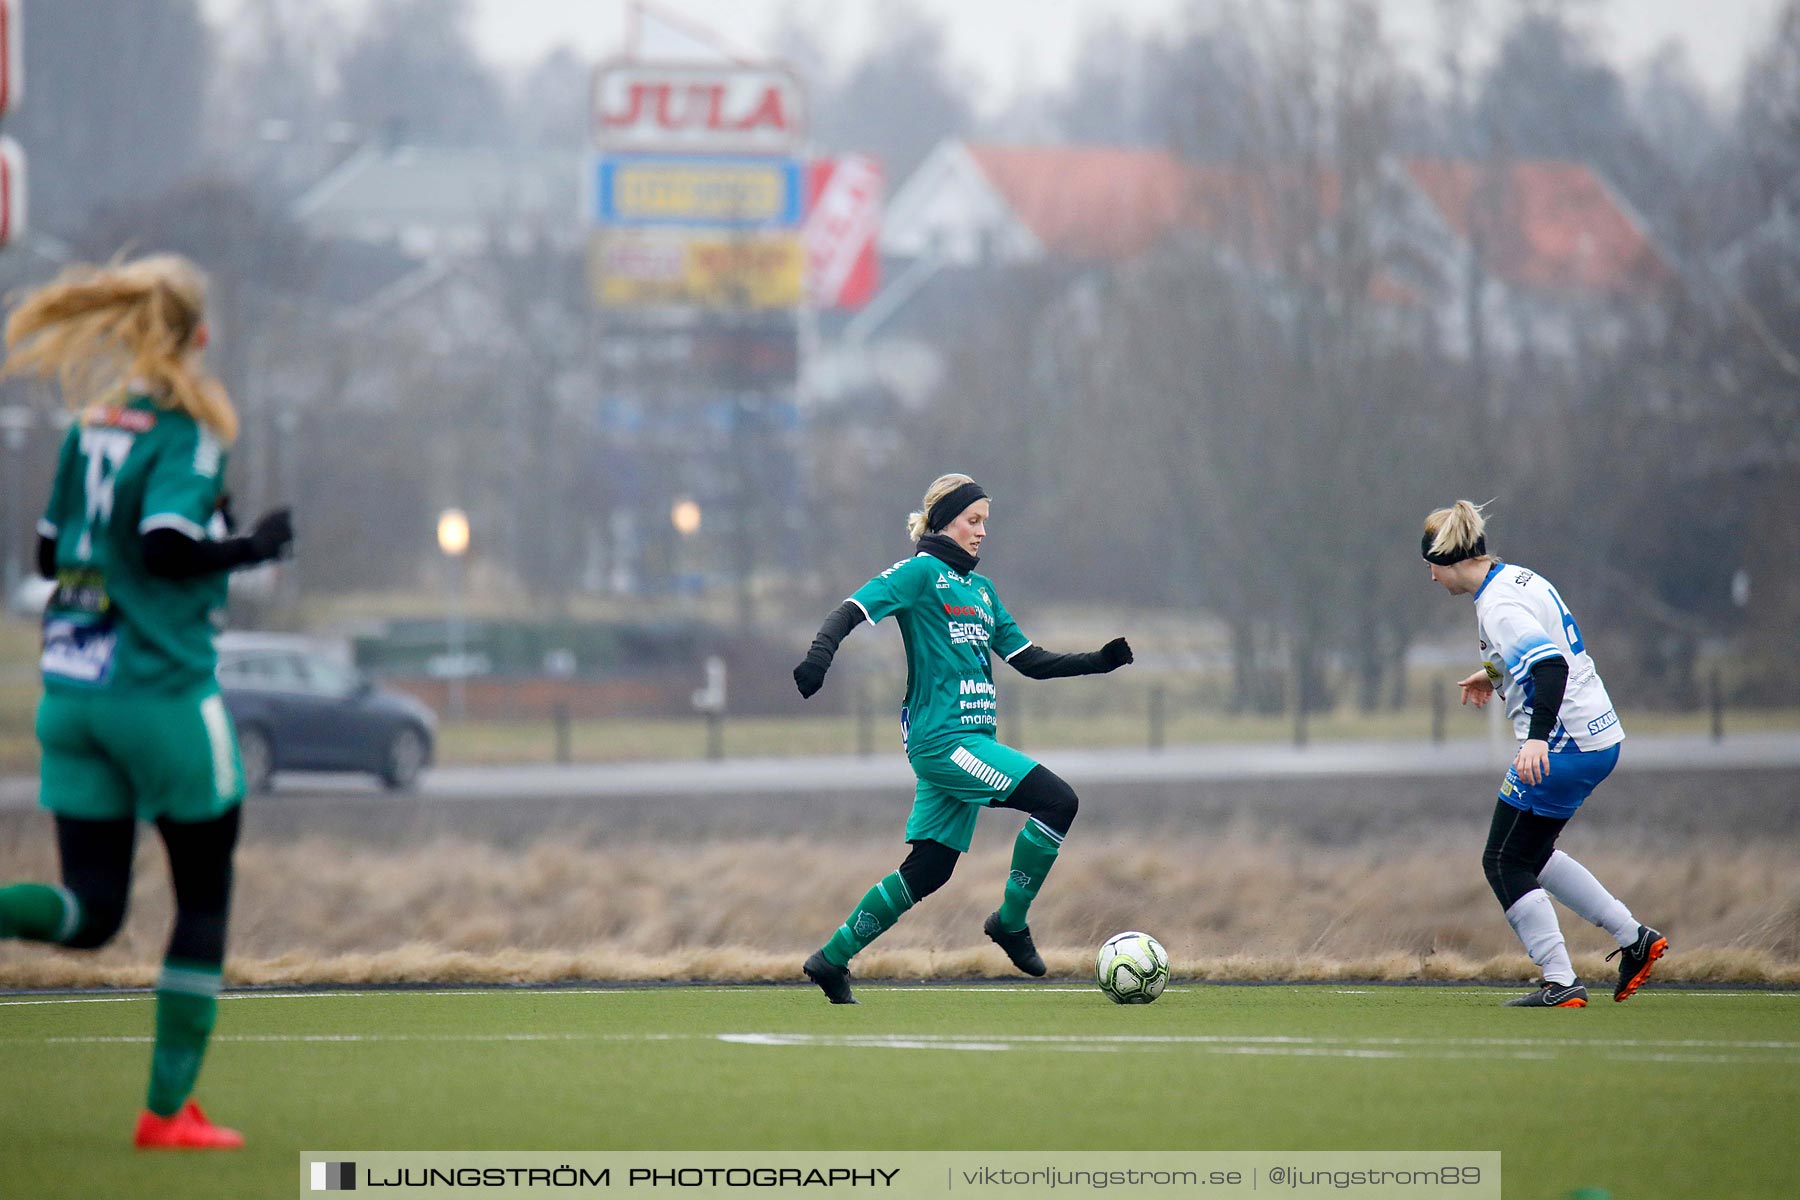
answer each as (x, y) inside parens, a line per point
(885, 772)
(1667, 790)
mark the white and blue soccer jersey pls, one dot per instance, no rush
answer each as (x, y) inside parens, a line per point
(1522, 620)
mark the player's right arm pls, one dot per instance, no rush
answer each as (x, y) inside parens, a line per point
(809, 676)
(887, 593)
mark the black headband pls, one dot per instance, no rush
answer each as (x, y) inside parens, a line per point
(951, 506)
(1450, 558)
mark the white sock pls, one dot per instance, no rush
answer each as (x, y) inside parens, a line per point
(1533, 918)
(1576, 887)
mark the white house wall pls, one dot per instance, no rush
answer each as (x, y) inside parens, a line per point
(950, 209)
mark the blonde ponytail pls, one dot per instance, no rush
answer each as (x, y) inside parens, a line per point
(1457, 531)
(100, 329)
(940, 487)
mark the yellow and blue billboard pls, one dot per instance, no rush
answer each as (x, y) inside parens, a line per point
(698, 191)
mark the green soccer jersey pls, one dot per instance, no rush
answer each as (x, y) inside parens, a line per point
(111, 625)
(950, 623)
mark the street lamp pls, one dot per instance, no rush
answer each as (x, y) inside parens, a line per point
(685, 516)
(453, 540)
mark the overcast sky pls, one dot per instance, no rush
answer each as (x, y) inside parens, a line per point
(1006, 45)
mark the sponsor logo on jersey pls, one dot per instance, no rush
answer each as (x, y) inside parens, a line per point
(1605, 721)
(134, 420)
(964, 632)
(1523, 578)
(942, 583)
(969, 610)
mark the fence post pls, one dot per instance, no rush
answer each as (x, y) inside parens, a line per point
(559, 715)
(1718, 706)
(1158, 715)
(710, 700)
(1440, 708)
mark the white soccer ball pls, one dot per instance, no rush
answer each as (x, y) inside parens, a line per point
(1132, 968)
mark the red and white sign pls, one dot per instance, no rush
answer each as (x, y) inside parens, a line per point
(699, 108)
(12, 56)
(843, 216)
(12, 190)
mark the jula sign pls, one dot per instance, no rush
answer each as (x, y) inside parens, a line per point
(704, 109)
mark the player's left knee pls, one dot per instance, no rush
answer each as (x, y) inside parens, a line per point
(1048, 798)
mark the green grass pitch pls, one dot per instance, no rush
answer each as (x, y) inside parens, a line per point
(1675, 1094)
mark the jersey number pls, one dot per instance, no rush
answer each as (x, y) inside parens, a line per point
(105, 451)
(1571, 630)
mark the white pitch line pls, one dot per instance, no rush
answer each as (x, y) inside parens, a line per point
(1530, 1050)
(1518, 1049)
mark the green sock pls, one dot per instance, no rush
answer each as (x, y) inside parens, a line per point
(1034, 853)
(187, 999)
(880, 908)
(39, 912)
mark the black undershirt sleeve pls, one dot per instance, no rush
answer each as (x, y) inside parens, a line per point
(809, 676)
(841, 621)
(46, 557)
(1035, 662)
(172, 554)
(1549, 679)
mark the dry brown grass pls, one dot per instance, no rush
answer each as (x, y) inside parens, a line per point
(1241, 906)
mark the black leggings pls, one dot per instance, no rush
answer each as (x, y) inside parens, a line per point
(96, 867)
(1519, 844)
(1042, 794)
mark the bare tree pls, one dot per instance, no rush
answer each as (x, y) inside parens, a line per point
(412, 74)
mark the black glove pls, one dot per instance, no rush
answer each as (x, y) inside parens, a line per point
(273, 534)
(809, 676)
(1116, 654)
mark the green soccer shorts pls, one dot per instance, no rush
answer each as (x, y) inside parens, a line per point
(956, 782)
(107, 757)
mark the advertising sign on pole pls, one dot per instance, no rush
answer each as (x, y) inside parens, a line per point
(12, 56)
(12, 191)
(843, 216)
(698, 191)
(644, 268)
(698, 108)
